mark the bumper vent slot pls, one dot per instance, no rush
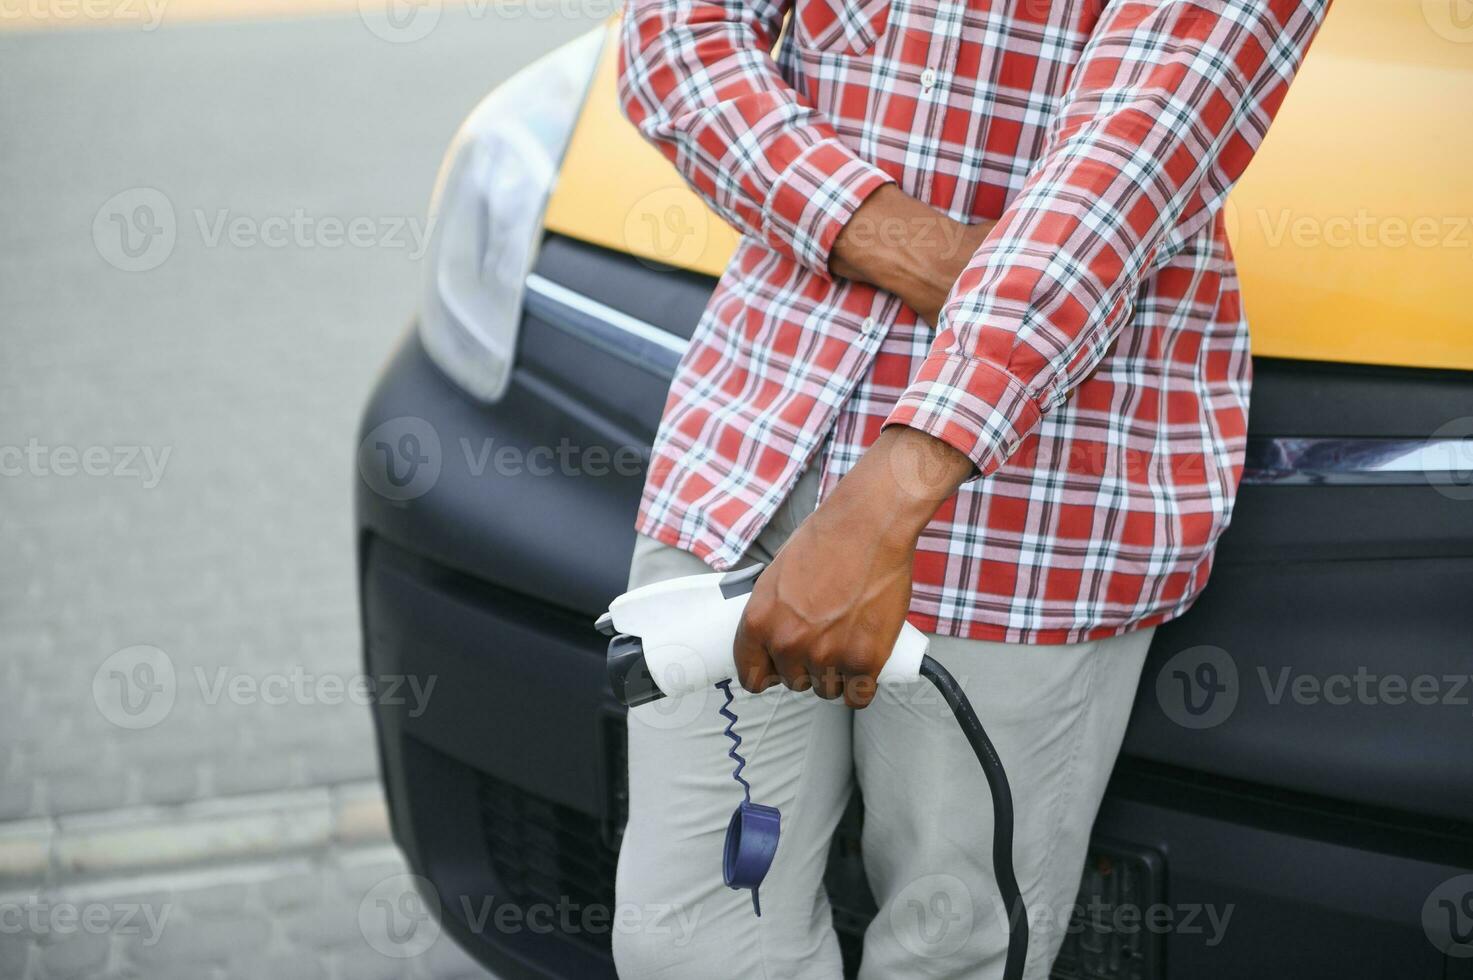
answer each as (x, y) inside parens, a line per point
(1116, 878)
(545, 854)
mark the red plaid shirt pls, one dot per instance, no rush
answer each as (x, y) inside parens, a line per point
(1093, 358)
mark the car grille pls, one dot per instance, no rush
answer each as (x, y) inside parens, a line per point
(547, 854)
(1116, 877)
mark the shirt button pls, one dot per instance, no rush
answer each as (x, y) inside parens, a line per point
(870, 325)
(928, 79)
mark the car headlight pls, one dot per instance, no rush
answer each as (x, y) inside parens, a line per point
(486, 215)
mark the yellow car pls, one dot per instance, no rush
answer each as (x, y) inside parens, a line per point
(1295, 795)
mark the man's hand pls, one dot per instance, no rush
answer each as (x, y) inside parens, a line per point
(906, 247)
(827, 611)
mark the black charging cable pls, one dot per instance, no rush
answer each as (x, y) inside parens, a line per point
(632, 684)
(1002, 812)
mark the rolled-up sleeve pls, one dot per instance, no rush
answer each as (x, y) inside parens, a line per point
(1169, 103)
(698, 80)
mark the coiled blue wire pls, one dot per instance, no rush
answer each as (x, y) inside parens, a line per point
(752, 834)
(736, 740)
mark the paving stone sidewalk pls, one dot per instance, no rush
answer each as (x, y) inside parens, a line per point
(215, 395)
(342, 913)
(178, 622)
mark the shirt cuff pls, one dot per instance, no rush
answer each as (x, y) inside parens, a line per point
(975, 407)
(814, 198)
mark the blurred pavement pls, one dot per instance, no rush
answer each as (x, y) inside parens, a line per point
(209, 233)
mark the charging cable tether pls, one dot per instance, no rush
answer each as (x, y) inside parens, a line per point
(752, 833)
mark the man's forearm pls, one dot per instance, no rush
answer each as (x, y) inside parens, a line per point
(899, 244)
(904, 246)
(826, 612)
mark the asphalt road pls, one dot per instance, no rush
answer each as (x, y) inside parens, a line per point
(188, 333)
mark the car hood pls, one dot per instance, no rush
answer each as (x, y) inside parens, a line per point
(1353, 227)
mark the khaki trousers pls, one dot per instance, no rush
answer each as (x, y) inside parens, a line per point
(1056, 714)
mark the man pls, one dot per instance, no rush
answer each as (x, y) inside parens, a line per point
(984, 318)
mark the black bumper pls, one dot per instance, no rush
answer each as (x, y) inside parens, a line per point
(1318, 834)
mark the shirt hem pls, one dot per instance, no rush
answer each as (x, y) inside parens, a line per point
(720, 559)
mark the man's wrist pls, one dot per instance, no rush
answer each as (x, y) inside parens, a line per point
(899, 244)
(901, 481)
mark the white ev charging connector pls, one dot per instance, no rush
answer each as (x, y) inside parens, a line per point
(675, 637)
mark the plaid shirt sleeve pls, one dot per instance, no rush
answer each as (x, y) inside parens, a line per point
(1166, 107)
(698, 80)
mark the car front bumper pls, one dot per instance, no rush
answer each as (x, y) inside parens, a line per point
(506, 785)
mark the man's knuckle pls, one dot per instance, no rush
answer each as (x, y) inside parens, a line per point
(828, 657)
(754, 622)
(860, 662)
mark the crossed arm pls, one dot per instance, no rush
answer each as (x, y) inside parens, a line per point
(1166, 107)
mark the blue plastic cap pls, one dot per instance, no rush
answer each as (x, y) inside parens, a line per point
(751, 844)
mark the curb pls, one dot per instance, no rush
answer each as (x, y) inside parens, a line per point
(52, 850)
